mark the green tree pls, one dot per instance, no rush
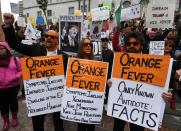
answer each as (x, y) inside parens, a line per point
(43, 5)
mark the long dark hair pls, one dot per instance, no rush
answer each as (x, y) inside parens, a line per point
(80, 50)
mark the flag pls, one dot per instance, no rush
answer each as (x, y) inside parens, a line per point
(118, 15)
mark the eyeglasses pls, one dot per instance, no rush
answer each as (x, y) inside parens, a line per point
(52, 37)
(88, 44)
(130, 43)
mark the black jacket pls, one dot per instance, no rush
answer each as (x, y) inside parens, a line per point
(29, 50)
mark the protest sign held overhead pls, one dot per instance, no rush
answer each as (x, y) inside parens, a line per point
(136, 92)
(84, 91)
(160, 15)
(95, 31)
(157, 47)
(43, 80)
(130, 13)
(70, 28)
(100, 14)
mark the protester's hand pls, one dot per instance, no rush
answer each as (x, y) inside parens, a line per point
(167, 95)
(8, 19)
(109, 83)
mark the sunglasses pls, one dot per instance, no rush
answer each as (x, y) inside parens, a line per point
(88, 44)
(104, 40)
(168, 45)
(130, 43)
(52, 37)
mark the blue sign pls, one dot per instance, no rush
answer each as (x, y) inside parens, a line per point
(40, 20)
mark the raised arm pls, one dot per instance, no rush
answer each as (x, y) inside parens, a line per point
(11, 37)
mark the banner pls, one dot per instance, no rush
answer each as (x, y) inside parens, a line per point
(136, 98)
(130, 13)
(160, 15)
(70, 28)
(100, 14)
(43, 79)
(157, 47)
(84, 91)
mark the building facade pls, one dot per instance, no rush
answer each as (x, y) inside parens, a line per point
(67, 7)
(20, 4)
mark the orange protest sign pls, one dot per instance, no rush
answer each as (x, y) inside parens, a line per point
(42, 67)
(86, 74)
(150, 69)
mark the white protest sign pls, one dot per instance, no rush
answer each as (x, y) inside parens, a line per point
(84, 90)
(43, 84)
(137, 88)
(21, 22)
(130, 13)
(156, 47)
(160, 15)
(101, 1)
(99, 14)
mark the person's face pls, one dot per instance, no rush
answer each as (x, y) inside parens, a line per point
(2, 50)
(168, 47)
(132, 45)
(151, 35)
(87, 47)
(104, 43)
(73, 32)
(51, 40)
(111, 36)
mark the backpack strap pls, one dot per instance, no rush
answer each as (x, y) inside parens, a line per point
(16, 62)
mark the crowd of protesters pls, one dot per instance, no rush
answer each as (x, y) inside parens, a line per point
(135, 39)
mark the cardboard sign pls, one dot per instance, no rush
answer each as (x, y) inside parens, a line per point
(99, 14)
(44, 81)
(70, 29)
(84, 91)
(157, 47)
(160, 15)
(130, 13)
(136, 101)
(142, 68)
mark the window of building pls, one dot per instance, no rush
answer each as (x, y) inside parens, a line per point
(126, 4)
(71, 10)
(49, 12)
(49, 21)
(85, 10)
(39, 13)
(27, 14)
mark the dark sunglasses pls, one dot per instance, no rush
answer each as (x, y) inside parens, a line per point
(104, 40)
(52, 37)
(88, 44)
(130, 43)
(168, 45)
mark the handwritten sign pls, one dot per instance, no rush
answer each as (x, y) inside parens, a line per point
(160, 15)
(134, 101)
(130, 13)
(157, 47)
(44, 81)
(84, 91)
(99, 14)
